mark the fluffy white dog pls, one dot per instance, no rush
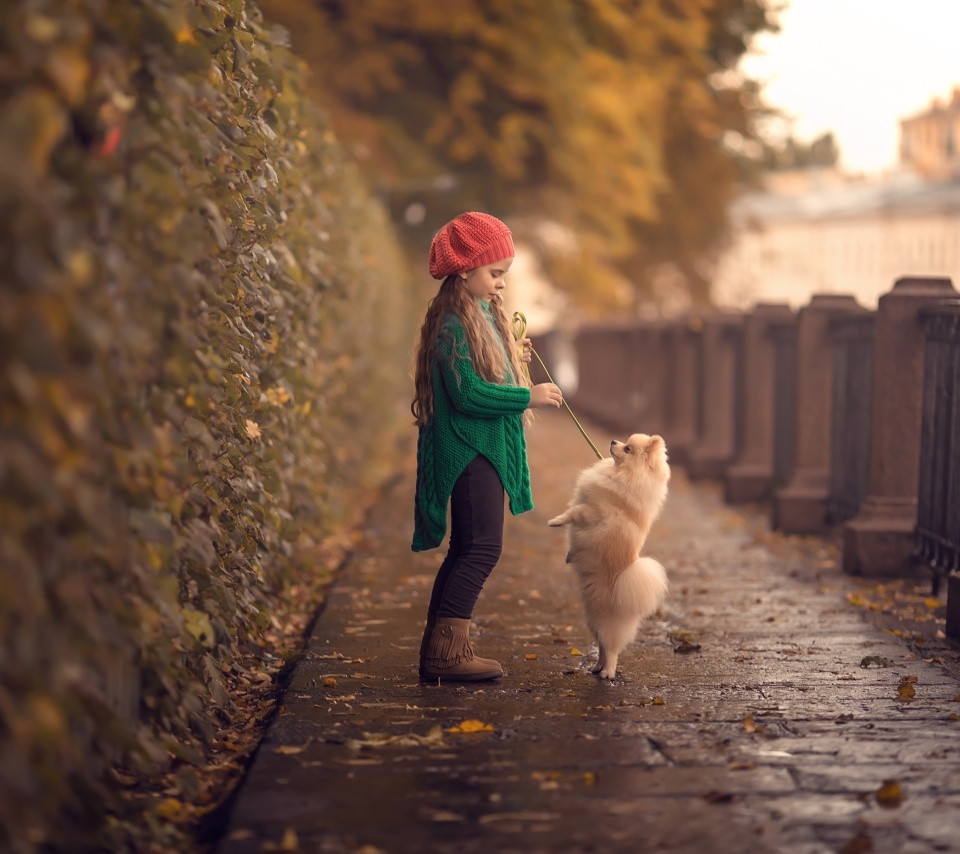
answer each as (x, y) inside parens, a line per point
(615, 502)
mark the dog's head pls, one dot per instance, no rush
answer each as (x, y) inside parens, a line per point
(641, 453)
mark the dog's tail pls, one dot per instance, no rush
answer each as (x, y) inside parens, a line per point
(642, 586)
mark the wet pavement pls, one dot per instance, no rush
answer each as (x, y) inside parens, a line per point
(760, 711)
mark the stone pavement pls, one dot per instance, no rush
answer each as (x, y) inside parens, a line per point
(744, 718)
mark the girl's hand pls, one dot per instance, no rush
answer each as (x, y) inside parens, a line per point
(526, 349)
(545, 394)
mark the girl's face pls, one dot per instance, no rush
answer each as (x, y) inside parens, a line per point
(487, 281)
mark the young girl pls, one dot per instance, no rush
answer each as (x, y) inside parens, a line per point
(471, 393)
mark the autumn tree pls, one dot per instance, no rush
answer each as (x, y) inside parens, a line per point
(609, 117)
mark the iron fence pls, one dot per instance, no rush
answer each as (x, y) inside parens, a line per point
(938, 496)
(852, 402)
(784, 400)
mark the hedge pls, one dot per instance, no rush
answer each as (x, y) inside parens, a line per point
(204, 326)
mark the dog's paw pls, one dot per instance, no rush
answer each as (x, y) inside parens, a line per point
(606, 673)
(557, 522)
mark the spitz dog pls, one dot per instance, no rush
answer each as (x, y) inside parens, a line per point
(615, 502)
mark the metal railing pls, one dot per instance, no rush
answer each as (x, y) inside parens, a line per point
(938, 496)
(852, 402)
(784, 400)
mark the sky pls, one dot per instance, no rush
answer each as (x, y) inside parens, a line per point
(855, 67)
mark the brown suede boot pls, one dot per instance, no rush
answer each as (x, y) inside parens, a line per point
(449, 656)
(427, 631)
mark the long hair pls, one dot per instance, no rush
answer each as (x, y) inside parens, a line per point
(486, 352)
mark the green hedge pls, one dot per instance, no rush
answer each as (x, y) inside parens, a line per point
(204, 328)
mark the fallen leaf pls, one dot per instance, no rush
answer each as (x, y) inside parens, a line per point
(906, 691)
(859, 844)
(659, 701)
(531, 656)
(329, 682)
(292, 749)
(490, 818)
(407, 739)
(472, 725)
(890, 794)
(877, 660)
(575, 651)
(169, 808)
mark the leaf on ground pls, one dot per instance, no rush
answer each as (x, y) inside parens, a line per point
(472, 725)
(906, 691)
(490, 818)
(890, 794)
(685, 646)
(859, 844)
(169, 808)
(292, 749)
(750, 725)
(531, 656)
(434, 738)
(877, 660)
(575, 651)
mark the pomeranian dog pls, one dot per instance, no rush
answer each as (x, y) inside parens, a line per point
(614, 504)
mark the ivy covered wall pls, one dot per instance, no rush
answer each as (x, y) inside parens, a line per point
(204, 330)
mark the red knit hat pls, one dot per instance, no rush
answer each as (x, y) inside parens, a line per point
(468, 241)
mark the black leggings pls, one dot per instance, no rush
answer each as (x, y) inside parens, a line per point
(476, 540)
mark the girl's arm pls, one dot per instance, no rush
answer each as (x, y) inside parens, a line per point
(470, 393)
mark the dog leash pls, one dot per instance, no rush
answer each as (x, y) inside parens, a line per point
(520, 332)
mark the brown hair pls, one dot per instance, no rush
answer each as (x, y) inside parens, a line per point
(486, 353)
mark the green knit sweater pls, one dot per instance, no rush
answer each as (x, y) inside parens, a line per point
(470, 417)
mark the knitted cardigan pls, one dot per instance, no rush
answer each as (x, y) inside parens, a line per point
(470, 417)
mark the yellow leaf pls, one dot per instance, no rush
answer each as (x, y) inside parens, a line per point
(930, 602)
(589, 778)
(906, 691)
(531, 656)
(329, 682)
(472, 726)
(169, 808)
(253, 429)
(658, 701)
(890, 794)
(291, 749)
(185, 35)
(749, 725)
(197, 623)
(856, 600)
(575, 651)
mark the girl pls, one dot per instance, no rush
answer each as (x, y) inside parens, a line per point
(471, 393)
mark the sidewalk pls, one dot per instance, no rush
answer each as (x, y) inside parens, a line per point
(743, 720)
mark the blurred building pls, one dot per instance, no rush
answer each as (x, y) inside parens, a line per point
(817, 231)
(930, 141)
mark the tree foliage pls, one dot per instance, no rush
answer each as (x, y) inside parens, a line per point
(202, 334)
(607, 116)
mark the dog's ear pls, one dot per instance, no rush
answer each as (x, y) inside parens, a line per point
(654, 444)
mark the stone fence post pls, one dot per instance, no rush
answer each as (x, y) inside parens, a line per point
(800, 507)
(717, 444)
(880, 539)
(751, 476)
(682, 344)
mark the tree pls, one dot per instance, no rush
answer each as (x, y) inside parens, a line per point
(606, 116)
